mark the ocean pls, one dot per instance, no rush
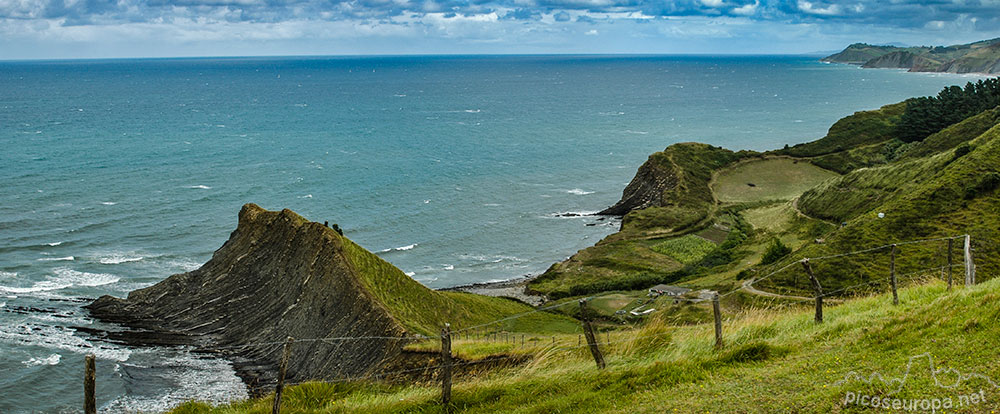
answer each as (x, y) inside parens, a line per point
(457, 169)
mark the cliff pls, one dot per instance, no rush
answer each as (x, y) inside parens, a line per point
(902, 59)
(281, 275)
(976, 57)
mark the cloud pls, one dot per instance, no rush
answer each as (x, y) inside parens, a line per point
(70, 23)
(810, 8)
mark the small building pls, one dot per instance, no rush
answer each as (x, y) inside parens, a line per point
(667, 290)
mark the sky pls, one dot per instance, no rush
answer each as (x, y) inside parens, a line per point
(67, 29)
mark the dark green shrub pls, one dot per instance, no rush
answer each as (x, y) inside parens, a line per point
(775, 251)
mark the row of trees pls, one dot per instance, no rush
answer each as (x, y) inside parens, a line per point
(929, 114)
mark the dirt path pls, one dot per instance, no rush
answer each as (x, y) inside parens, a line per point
(748, 286)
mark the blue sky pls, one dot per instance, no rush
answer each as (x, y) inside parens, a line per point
(32, 29)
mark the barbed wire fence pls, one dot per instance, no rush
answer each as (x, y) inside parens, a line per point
(480, 331)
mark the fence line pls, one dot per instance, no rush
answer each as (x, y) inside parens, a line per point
(593, 341)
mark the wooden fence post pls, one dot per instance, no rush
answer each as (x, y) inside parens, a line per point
(950, 242)
(817, 288)
(282, 369)
(970, 266)
(718, 319)
(588, 331)
(892, 273)
(446, 365)
(90, 385)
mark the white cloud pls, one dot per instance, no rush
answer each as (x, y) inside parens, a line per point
(713, 3)
(808, 7)
(746, 10)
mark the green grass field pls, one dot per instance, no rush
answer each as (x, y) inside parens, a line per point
(771, 179)
(688, 249)
(774, 361)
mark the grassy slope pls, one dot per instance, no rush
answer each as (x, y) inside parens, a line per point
(947, 199)
(773, 361)
(424, 311)
(862, 128)
(772, 179)
(630, 252)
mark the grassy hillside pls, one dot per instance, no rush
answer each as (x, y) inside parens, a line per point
(977, 57)
(636, 256)
(947, 194)
(767, 179)
(773, 361)
(857, 130)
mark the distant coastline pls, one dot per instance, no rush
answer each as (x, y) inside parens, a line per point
(977, 58)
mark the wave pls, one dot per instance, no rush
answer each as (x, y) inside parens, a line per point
(58, 337)
(306, 196)
(410, 274)
(629, 131)
(571, 214)
(472, 111)
(119, 259)
(54, 244)
(399, 249)
(108, 203)
(449, 267)
(578, 191)
(50, 360)
(8, 275)
(64, 278)
(57, 259)
(199, 187)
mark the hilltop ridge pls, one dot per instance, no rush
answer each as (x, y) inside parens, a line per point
(977, 57)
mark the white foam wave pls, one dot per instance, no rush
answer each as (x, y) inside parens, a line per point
(411, 274)
(59, 337)
(185, 264)
(108, 203)
(578, 191)
(574, 214)
(57, 259)
(629, 131)
(64, 278)
(472, 111)
(8, 275)
(119, 258)
(50, 360)
(399, 249)
(189, 378)
(54, 244)
(306, 196)
(449, 267)
(199, 187)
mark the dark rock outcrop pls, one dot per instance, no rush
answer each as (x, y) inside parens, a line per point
(278, 275)
(646, 188)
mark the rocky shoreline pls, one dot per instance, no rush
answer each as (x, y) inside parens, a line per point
(512, 288)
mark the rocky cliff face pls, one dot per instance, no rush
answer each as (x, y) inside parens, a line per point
(278, 275)
(976, 57)
(646, 188)
(903, 60)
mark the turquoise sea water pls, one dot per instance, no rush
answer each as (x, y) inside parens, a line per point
(118, 173)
